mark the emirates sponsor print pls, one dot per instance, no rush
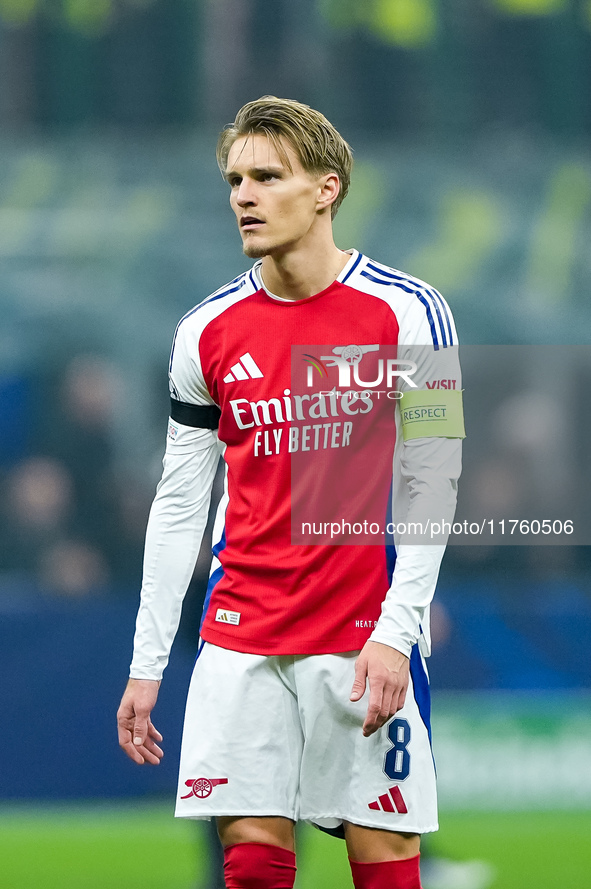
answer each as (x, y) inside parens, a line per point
(323, 419)
(341, 439)
(335, 423)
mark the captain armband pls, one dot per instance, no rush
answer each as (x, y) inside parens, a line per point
(199, 416)
(432, 413)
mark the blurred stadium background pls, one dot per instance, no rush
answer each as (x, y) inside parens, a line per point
(470, 121)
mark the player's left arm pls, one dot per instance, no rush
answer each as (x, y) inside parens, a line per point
(427, 468)
(385, 658)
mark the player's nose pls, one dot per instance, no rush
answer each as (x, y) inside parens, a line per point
(246, 193)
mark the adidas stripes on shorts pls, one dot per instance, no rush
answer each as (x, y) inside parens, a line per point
(278, 735)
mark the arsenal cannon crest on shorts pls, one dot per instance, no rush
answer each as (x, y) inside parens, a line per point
(202, 787)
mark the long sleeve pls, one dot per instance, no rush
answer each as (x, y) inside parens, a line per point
(426, 472)
(430, 470)
(175, 529)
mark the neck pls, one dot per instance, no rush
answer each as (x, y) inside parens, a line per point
(301, 273)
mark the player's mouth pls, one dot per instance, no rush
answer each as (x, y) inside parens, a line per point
(250, 223)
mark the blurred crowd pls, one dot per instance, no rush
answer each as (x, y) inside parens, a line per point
(68, 518)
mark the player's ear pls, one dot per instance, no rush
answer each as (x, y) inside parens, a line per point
(329, 186)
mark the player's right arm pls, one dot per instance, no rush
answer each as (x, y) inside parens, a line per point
(137, 734)
(175, 529)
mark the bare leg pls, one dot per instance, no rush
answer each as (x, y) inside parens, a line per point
(368, 844)
(274, 831)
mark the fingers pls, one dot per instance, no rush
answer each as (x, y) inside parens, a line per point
(383, 700)
(151, 752)
(382, 707)
(153, 731)
(140, 730)
(145, 735)
(359, 683)
(126, 744)
(137, 733)
(401, 699)
(387, 695)
(141, 748)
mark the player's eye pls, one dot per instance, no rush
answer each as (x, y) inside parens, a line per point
(234, 181)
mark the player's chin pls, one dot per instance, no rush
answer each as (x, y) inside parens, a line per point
(254, 249)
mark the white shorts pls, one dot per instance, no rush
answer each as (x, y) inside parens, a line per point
(278, 735)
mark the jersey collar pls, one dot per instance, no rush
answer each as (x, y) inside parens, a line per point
(343, 274)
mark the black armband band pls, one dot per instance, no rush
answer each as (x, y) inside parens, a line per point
(200, 416)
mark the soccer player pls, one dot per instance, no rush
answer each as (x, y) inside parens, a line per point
(279, 725)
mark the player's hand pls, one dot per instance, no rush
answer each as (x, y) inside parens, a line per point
(137, 734)
(387, 671)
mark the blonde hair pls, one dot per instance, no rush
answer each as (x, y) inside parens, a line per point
(318, 145)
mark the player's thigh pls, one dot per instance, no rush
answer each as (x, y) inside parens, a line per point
(270, 830)
(242, 739)
(385, 781)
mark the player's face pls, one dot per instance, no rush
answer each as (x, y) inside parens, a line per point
(275, 207)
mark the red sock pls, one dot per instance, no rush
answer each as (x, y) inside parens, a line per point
(258, 866)
(402, 874)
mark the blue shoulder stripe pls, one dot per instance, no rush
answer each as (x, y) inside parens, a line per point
(387, 273)
(221, 293)
(353, 267)
(418, 295)
(435, 305)
(388, 283)
(437, 296)
(436, 302)
(429, 319)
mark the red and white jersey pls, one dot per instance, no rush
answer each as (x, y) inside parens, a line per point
(235, 350)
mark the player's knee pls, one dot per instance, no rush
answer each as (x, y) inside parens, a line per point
(371, 844)
(272, 831)
(258, 866)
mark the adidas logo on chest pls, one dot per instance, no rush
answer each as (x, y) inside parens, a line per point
(244, 369)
